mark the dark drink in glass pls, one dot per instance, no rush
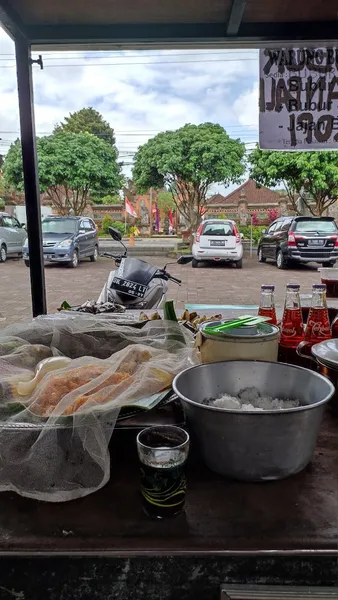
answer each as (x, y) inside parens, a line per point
(163, 452)
(329, 277)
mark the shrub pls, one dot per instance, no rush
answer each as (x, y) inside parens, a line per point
(256, 232)
(107, 222)
(119, 226)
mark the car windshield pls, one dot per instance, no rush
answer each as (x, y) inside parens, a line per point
(215, 229)
(62, 226)
(320, 226)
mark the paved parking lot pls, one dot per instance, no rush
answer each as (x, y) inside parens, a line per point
(211, 284)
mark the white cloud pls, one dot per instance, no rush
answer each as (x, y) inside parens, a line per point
(246, 108)
(138, 99)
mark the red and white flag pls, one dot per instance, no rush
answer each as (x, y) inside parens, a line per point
(129, 208)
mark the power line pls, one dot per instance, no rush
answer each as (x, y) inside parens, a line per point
(115, 53)
(84, 55)
(164, 62)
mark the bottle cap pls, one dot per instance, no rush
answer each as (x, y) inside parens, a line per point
(268, 287)
(293, 286)
(319, 286)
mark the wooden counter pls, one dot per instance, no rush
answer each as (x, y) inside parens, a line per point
(296, 515)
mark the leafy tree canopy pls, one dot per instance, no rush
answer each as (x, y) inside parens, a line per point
(71, 166)
(311, 176)
(87, 120)
(187, 162)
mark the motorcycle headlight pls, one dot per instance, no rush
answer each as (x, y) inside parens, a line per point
(26, 242)
(65, 244)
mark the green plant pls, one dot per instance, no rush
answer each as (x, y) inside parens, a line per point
(256, 232)
(115, 199)
(106, 222)
(119, 226)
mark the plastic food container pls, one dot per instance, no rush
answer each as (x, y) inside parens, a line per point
(330, 278)
(257, 342)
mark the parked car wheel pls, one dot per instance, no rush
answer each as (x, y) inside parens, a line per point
(94, 257)
(239, 264)
(27, 263)
(281, 262)
(330, 264)
(261, 258)
(75, 261)
(3, 253)
(194, 263)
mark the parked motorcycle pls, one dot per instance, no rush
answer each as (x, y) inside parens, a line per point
(135, 283)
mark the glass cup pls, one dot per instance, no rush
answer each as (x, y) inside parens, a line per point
(163, 452)
(329, 277)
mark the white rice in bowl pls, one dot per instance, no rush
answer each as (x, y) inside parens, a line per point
(251, 399)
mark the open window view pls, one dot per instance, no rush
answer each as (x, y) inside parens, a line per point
(156, 145)
(168, 300)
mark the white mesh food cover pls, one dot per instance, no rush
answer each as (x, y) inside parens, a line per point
(54, 441)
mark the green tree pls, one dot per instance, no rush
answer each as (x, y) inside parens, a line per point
(115, 199)
(187, 162)
(72, 166)
(165, 201)
(87, 120)
(311, 176)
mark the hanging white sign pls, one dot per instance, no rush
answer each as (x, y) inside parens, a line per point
(298, 98)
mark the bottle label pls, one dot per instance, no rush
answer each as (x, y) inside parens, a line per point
(292, 332)
(318, 329)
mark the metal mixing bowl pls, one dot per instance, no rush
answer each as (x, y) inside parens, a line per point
(254, 446)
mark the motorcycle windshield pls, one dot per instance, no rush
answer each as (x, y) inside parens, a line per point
(138, 271)
(133, 277)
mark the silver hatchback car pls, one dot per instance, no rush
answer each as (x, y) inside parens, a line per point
(218, 240)
(12, 236)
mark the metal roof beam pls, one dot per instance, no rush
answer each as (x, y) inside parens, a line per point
(180, 34)
(236, 16)
(11, 21)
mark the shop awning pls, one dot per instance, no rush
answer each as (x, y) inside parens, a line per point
(133, 22)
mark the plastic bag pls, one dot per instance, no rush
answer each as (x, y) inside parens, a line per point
(54, 442)
(76, 335)
(18, 360)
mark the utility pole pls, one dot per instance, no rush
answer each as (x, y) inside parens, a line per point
(151, 212)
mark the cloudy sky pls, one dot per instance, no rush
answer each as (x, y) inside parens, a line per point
(139, 93)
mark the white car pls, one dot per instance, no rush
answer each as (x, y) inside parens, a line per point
(218, 240)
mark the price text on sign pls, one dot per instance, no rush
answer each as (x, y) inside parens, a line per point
(298, 98)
